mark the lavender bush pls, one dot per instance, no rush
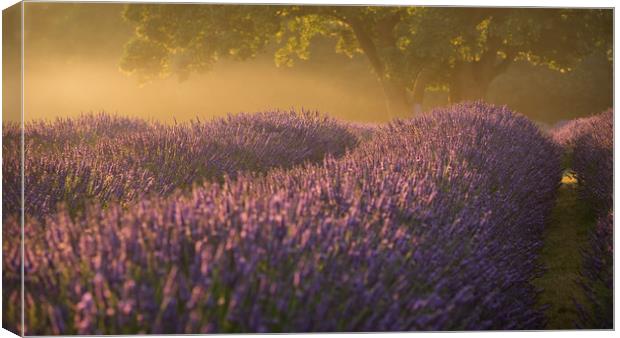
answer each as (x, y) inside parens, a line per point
(566, 133)
(110, 159)
(598, 282)
(11, 286)
(593, 164)
(432, 224)
(593, 161)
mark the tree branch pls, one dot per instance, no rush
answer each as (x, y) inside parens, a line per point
(367, 45)
(385, 28)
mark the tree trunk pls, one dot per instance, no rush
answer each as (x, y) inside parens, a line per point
(395, 93)
(467, 90)
(471, 80)
(467, 84)
(396, 101)
(419, 89)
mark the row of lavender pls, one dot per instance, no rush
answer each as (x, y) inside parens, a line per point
(102, 159)
(434, 224)
(590, 141)
(110, 159)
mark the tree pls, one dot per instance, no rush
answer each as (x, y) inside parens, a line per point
(487, 41)
(409, 48)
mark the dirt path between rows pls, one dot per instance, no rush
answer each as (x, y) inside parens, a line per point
(564, 237)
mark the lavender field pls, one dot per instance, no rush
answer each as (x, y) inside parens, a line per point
(298, 222)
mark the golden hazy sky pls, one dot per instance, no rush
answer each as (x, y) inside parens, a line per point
(72, 52)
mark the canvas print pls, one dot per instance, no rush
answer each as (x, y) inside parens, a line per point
(287, 168)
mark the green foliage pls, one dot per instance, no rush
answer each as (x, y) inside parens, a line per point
(190, 38)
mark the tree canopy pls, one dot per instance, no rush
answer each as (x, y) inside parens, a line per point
(409, 48)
